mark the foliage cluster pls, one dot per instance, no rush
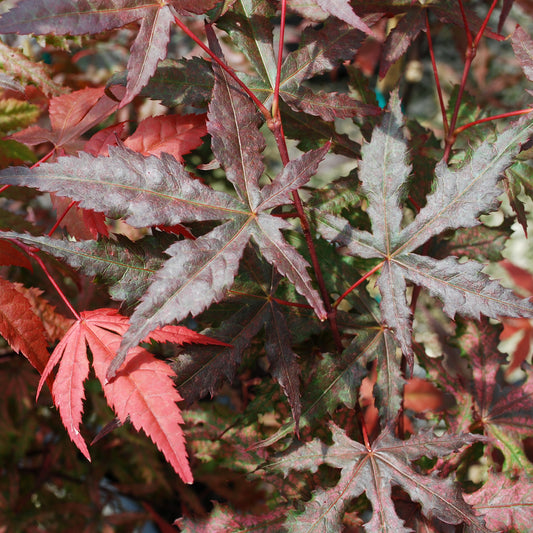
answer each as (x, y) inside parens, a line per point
(261, 224)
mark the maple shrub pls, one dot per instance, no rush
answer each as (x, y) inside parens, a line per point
(270, 235)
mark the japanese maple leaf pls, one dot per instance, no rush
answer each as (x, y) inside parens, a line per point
(71, 115)
(224, 519)
(374, 469)
(151, 191)
(511, 326)
(505, 504)
(62, 17)
(319, 51)
(142, 391)
(176, 135)
(459, 197)
(501, 410)
(21, 327)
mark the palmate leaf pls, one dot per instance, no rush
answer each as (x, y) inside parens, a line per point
(62, 17)
(500, 409)
(459, 197)
(504, 504)
(202, 370)
(143, 391)
(374, 470)
(71, 115)
(150, 191)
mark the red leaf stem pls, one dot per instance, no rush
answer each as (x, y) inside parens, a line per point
(465, 21)
(494, 117)
(357, 283)
(275, 102)
(59, 220)
(484, 25)
(31, 252)
(436, 76)
(228, 69)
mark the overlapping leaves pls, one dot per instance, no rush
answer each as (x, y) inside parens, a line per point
(62, 17)
(149, 191)
(459, 197)
(144, 392)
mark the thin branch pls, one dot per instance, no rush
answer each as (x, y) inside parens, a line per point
(436, 76)
(356, 284)
(31, 251)
(465, 22)
(494, 117)
(470, 54)
(60, 219)
(228, 69)
(275, 102)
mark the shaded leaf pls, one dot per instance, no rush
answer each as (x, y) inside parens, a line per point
(343, 10)
(186, 81)
(176, 135)
(125, 266)
(336, 381)
(223, 520)
(250, 27)
(201, 371)
(283, 361)
(400, 37)
(374, 470)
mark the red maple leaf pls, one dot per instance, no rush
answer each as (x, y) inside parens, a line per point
(143, 390)
(524, 326)
(71, 115)
(174, 134)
